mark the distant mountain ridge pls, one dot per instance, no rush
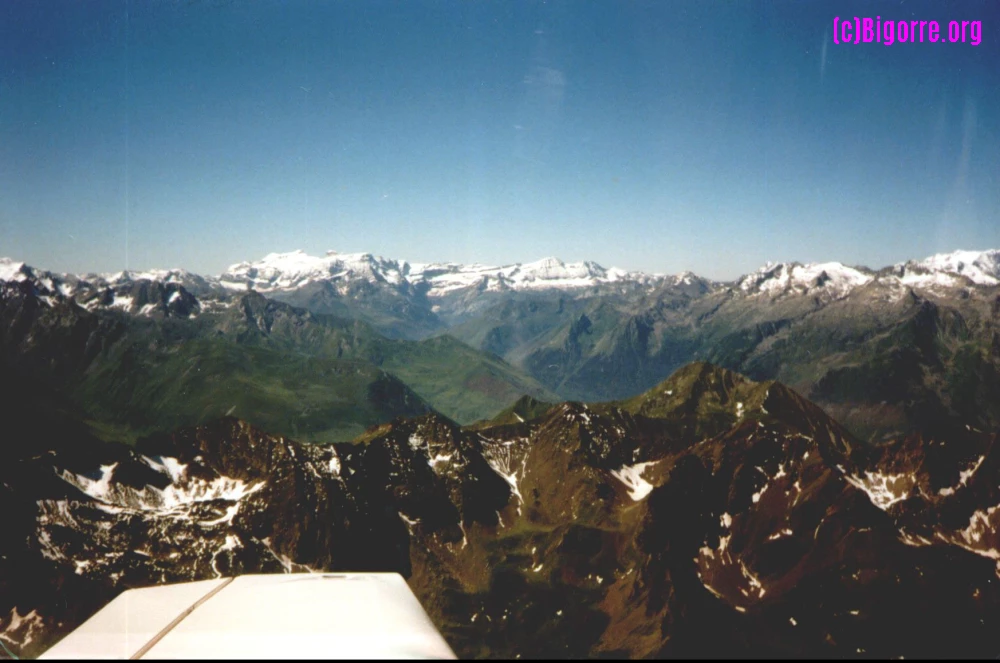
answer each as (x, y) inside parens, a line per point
(295, 270)
(288, 271)
(886, 351)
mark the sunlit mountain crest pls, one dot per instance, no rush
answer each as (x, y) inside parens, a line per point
(832, 276)
(295, 270)
(289, 271)
(285, 271)
(980, 267)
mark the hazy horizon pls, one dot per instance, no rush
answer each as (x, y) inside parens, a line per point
(658, 137)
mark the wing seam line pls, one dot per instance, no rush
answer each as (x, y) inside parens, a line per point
(178, 619)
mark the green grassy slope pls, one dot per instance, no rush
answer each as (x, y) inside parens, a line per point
(458, 381)
(315, 399)
(288, 371)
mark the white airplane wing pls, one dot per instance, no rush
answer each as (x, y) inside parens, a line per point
(313, 615)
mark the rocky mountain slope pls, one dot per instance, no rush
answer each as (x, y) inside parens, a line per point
(710, 516)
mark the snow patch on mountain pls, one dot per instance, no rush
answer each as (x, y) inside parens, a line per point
(20, 630)
(963, 478)
(176, 499)
(981, 525)
(920, 279)
(631, 476)
(883, 490)
(122, 302)
(503, 458)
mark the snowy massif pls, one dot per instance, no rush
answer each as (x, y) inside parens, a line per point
(292, 271)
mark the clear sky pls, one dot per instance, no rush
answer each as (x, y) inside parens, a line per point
(662, 136)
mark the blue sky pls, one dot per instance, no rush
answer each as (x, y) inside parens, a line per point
(661, 136)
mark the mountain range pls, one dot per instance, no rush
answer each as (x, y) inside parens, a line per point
(888, 352)
(710, 516)
(148, 356)
(563, 460)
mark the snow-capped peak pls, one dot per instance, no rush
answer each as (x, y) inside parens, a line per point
(284, 267)
(286, 272)
(834, 278)
(162, 275)
(295, 269)
(687, 277)
(980, 267)
(549, 270)
(11, 270)
(289, 271)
